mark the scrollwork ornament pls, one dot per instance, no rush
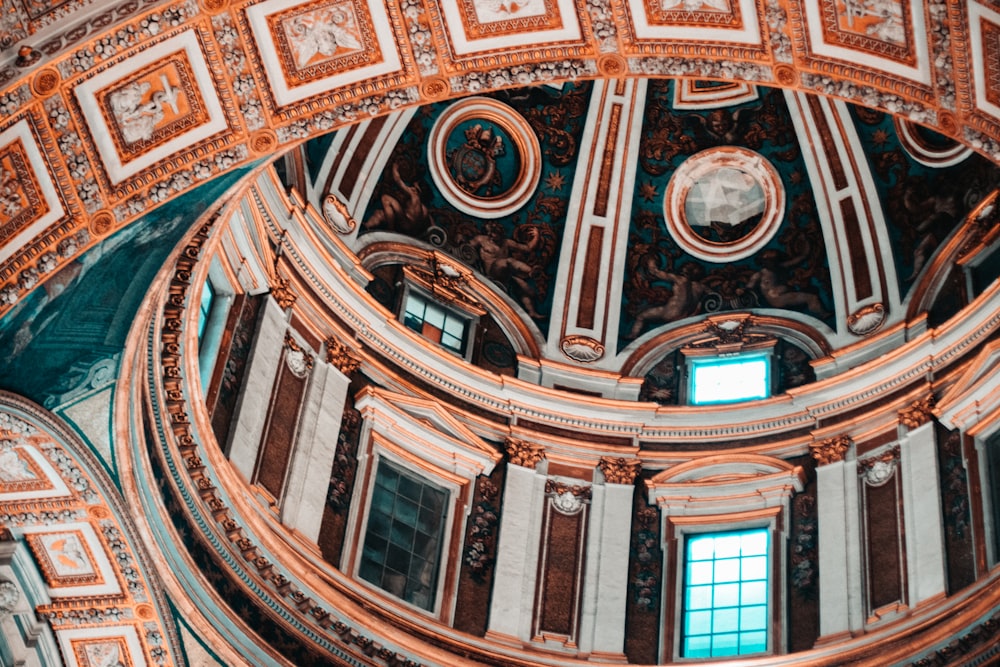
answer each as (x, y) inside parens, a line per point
(917, 413)
(619, 470)
(567, 499)
(524, 454)
(879, 469)
(299, 361)
(338, 354)
(582, 348)
(830, 450)
(336, 213)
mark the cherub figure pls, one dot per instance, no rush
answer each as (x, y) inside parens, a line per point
(683, 302)
(501, 260)
(409, 216)
(775, 289)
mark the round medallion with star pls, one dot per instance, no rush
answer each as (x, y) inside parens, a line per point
(724, 204)
(484, 157)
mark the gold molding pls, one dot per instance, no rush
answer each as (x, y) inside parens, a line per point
(524, 454)
(618, 470)
(831, 450)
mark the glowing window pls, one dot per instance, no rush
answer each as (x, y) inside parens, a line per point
(403, 538)
(435, 322)
(205, 308)
(742, 377)
(725, 594)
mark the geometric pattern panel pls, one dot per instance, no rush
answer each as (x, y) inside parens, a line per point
(724, 21)
(158, 102)
(29, 200)
(311, 48)
(984, 34)
(892, 37)
(26, 475)
(477, 26)
(72, 560)
(102, 647)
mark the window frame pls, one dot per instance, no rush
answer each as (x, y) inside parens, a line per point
(419, 437)
(746, 491)
(699, 357)
(683, 533)
(382, 459)
(470, 320)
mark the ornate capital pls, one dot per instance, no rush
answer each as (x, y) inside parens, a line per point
(918, 413)
(340, 356)
(523, 453)
(282, 293)
(619, 470)
(830, 450)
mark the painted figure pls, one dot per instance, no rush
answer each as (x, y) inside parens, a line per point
(501, 260)
(683, 302)
(409, 216)
(776, 291)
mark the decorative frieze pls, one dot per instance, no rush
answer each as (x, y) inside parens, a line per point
(830, 450)
(524, 454)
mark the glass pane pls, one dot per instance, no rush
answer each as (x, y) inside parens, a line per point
(698, 647)
(701, 548)
(753, 618)
(753, 642)
(727, 546)
(728, 644)
(725, 620)
(727, 595)
(698, 623)
(699, 597)
(396, 556)
(700, 573)
(727, 570)
(754, 567)
(754, 592)
(434, 316)
(754, 543)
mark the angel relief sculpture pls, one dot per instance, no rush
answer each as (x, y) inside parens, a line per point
(138, 112)
(321, 34)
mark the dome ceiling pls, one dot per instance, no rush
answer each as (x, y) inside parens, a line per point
(672, 200)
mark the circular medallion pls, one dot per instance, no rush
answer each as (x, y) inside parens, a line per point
(724, 204)
(484, 158)
(46, 81)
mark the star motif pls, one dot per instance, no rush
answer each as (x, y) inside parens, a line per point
(555, 181)
(648, 191)
(880, 138)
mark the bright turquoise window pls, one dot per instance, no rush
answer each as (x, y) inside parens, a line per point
(205, 308)
(725, 594)
(743, 377)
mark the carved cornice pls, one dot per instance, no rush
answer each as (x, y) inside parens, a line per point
(524, 454)
(339, 355)
(830, 450)
(620, 470)
(733, 332)
(917, 413)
